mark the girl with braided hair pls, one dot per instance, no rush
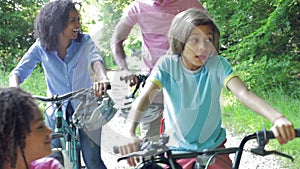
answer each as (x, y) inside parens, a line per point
(24, 136)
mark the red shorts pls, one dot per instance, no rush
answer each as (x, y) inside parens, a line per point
(221, 161)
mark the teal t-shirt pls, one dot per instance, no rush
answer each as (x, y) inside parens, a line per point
(191, 101)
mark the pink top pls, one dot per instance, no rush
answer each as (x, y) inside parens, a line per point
(46, 163)
(154, 19)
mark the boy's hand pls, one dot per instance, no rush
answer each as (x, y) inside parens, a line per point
(283, 130)
(133, 146)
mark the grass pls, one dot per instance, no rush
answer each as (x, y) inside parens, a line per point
(3, 79)
(243, 121)
(35, 83)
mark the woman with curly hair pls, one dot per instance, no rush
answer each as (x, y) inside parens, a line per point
(24, 136)
(71, 61)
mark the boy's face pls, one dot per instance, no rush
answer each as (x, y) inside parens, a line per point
(198, 47)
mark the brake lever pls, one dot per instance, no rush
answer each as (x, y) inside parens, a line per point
(281, 154)
(262, 140)
(262, 152)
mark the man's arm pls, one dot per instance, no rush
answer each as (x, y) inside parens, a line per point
(120, 35)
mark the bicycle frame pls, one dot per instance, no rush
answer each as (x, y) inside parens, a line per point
(69, 139)
(65, 131)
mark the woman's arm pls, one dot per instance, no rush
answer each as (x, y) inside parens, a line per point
(100, 71)
(100, 78)
(14, 80)
(283, 129)
(25, 66)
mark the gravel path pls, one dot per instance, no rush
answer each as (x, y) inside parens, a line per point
(113, 134)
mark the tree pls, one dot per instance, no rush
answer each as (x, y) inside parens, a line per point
(16, 33)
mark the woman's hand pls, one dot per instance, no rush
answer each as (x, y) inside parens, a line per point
(101, 87)
(283, 130)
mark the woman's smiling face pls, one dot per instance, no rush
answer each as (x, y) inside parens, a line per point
(73, 26)
(198, 47)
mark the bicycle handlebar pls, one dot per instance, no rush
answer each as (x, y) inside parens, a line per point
(270, 135)
(57, 97)
(160, 147)
(62, 97)
(141, 80)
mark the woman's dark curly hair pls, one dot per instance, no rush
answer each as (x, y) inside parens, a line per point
(51, 21)
(17, 109)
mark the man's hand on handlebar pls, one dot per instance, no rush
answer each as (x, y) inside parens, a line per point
(130, 78)
(283, 130)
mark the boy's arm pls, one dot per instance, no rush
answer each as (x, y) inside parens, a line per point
(141, 103)
(136, 113)
(283, 129)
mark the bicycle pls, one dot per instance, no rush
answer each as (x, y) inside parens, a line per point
(90, 114)
(154, 154)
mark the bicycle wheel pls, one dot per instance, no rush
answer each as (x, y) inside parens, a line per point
(158, 165)
(150, 165)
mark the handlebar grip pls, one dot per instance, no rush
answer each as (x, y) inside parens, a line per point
(108, 87)
(297, 132)
(270, 135)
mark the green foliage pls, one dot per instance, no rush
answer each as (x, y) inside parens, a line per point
(270, 74)
(260, 38)
(16, 33)
(3, 79)
(111, 12)
(262, 41)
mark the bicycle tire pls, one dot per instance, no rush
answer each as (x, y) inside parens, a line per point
(150, 165)
(154, 164)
